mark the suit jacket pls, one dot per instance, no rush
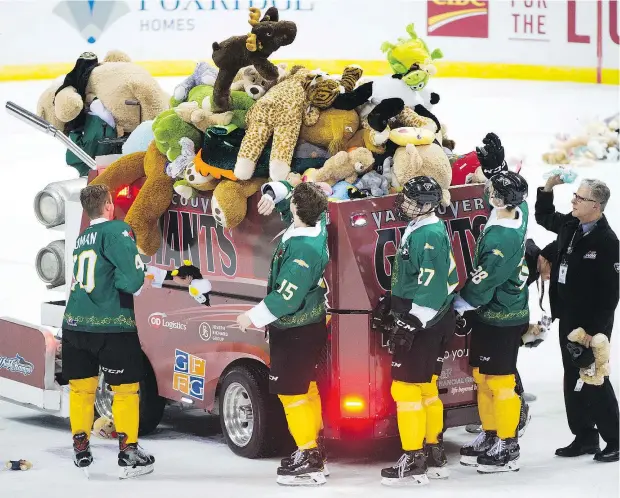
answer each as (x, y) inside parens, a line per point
(590, 295)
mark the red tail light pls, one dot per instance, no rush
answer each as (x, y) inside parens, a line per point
(353, 404)
(128, 192)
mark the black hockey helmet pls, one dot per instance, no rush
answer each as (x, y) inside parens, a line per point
(509, 187)
(417, 192)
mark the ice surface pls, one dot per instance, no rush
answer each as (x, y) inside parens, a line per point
(189, 449)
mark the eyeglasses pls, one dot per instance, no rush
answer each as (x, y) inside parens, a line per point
(578, 198)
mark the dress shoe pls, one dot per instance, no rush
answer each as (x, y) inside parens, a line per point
(609, 454)
(578, 448)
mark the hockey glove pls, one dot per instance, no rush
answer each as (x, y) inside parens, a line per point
(403, 331)
(581, 357)
(491, 155)
(380, 319)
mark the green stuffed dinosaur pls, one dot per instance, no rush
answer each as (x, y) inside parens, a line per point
(409, 51)
(173, 124)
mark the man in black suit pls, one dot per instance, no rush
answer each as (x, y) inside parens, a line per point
(583, 292)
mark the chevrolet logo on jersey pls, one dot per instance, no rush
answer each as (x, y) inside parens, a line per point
(301, 263)
(497, 252)
(428, 246)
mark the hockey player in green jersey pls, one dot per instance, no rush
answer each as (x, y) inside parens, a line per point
(294, 311)
(497, 291)
(424, 277)
(99, 330)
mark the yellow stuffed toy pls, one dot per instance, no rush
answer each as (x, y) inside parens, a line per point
(601, 350)
(104, 428)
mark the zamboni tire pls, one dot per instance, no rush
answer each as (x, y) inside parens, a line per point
(151, 404)
(252, 420)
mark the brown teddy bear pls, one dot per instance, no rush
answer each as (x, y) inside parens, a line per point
(114, 82)
(267, 36)
(347, 166)
(601, 350)
(250, 81)
(152, 200)
(429, 160)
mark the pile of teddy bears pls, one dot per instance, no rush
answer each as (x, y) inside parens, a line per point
(231, 126)
(597, 142)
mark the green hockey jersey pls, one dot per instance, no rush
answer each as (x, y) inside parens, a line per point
(107, 271)
(497, 287)
(88, 139)
(424, 275)
(296, 288)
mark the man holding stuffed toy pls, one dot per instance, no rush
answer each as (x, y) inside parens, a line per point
(584, 293)
(294, 310)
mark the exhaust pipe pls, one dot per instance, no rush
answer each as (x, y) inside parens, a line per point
(42, 125)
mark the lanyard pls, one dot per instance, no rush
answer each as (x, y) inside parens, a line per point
(570, 246)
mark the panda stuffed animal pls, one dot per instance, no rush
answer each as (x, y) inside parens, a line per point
(199, 288)
(386, 97)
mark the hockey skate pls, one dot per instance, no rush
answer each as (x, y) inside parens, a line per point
(524, 417)
(409, 470)
(502, 457)
(82, 456)
(436, 461)
(304, 469)
(479, 446)
(285, 462)
(133, 461)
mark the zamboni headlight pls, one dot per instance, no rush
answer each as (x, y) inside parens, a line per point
(50, 263)
(49, 203)
(49, 208)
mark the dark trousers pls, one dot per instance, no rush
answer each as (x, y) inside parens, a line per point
(593, 406)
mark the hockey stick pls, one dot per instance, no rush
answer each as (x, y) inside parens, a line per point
(42, 125)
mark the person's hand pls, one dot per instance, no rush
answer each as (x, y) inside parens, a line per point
(544, 268)
(552, 181)
(266, 205)
(587, 340)
(244, 321)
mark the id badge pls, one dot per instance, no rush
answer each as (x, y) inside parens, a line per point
(562, 274)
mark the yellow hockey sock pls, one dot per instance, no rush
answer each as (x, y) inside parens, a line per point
(315, 402)
(486, 408)
(82, 404)
(410, 414)
(434, 410)
(506, 404)
(126, 410)
(301, 420)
